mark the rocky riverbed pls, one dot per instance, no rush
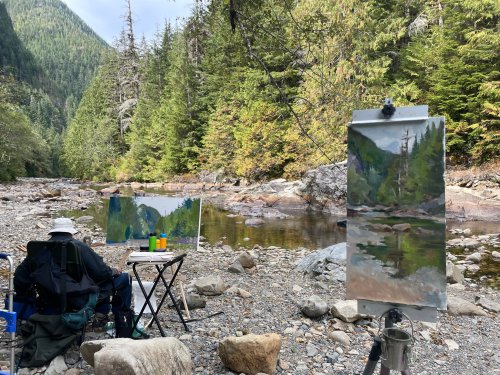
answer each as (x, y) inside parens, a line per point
(260, 290)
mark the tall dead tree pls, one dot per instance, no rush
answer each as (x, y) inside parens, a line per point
(128, 75)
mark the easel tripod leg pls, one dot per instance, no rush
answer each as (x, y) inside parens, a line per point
(373, 358)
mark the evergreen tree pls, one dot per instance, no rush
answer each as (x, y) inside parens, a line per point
(93, 144)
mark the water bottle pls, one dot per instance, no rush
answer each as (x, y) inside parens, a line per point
(163, 241)
(152, 241)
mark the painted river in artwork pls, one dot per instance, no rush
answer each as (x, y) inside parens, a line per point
(406, 266)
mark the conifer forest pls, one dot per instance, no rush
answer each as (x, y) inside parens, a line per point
(254, 89)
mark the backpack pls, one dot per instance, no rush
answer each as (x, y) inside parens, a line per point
(69, 287)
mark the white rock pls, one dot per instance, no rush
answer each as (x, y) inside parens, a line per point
(57, 366)
(426, 335)
(163, 355)
(475, 257)
(451, 344)
(340, 337)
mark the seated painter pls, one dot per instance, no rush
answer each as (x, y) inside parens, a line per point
(110, 281)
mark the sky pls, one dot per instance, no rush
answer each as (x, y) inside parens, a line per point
(105, 17)
(388, 136)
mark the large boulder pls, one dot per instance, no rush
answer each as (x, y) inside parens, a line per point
(459, 306)
(316, 262)
(251, 354)
(325, 187)
(158, 356)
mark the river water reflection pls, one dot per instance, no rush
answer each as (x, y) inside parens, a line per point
(311, 230)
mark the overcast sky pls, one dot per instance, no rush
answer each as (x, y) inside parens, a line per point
(105, 17)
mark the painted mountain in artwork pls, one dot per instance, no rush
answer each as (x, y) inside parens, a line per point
(408, 178)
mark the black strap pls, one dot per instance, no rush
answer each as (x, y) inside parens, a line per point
(63, 277)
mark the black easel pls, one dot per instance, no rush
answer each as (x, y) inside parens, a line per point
(393, 316)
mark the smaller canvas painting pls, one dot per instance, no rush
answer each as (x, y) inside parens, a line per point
(132, 219)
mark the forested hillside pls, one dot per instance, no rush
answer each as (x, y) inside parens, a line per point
(22, 148)
(65, 47)
(42, 76)
(265, 88)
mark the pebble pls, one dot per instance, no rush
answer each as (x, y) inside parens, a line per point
(274, 308)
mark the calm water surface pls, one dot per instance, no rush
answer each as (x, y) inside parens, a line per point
(311, 230)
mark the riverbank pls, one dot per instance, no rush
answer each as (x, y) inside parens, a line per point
(269, 297)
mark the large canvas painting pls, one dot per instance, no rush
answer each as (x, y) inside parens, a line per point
(132, 219)
(396, 212)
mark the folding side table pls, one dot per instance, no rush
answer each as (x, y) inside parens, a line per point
(161, 266)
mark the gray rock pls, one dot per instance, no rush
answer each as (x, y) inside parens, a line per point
(236, 267)
(57, 366)
(84, 219)
(193, 301)
(488, 304)
(340, 337)
(315, 262)
(458, 306)
(311, 350)
(254, 221)
(346, 310)
(471, 243)
(453, 274)
(164, 355)
(227, 248)
(325, 186)
(451, 344)
(210, 286)
(314, 307)
(475, 257)
(495, 255)
(333, 357)
(246, 260)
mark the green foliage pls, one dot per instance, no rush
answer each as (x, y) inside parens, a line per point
(92, 145)
(22, 150)
(454, 67)
(145, 138)
(14, 56)
(271, 93)
(56, 37)
(180, 112)
(42, 70)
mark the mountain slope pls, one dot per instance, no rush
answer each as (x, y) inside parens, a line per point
(66, 48)
(14, 57)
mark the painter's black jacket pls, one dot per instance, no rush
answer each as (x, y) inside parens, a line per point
(98, 271)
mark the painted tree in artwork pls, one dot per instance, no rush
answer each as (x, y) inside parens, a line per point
(417, 176)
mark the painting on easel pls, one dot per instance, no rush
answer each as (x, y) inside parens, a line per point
(396, 212)
(131, 219)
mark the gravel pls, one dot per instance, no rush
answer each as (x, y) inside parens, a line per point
(454, 345)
